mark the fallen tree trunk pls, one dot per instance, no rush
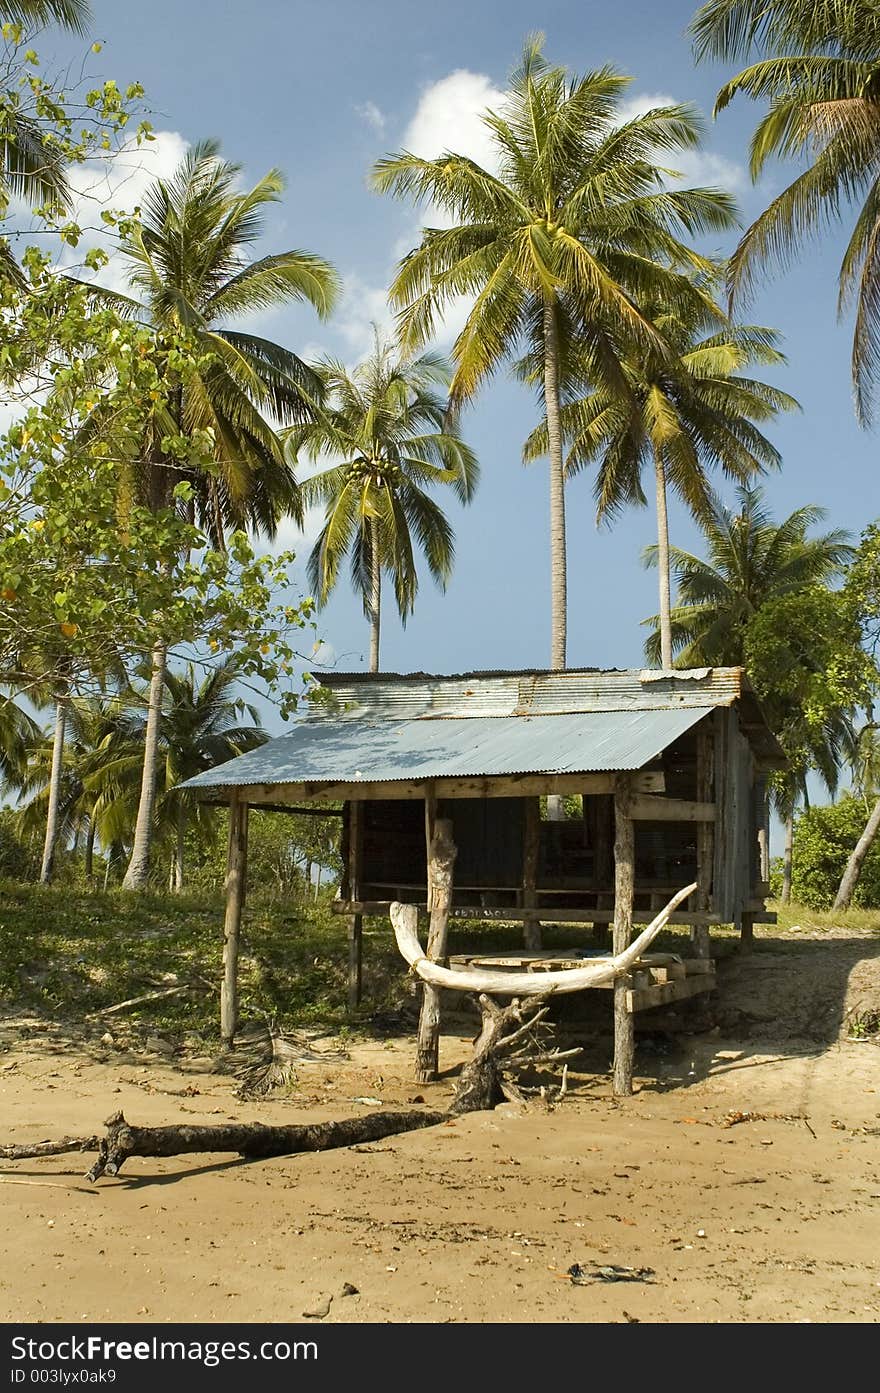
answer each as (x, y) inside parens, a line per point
(512, 1038)
(252, 1140)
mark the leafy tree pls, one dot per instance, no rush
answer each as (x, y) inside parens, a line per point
(811, 674)
(189, 262)
(823, 841)
(80, 582)
(18, 858)
(32, 159)
(820, 75)
(386, 425)
(45, 130)
(564, 242)
(863, 592)
(678, 416)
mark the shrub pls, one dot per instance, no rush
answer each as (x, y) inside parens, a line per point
(824, 838)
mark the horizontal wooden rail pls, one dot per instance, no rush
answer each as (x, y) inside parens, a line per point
(648, 809)
(514, 915)
(500, 786)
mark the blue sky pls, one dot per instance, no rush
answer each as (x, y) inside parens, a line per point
(322, 90)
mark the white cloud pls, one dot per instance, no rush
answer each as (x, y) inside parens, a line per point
(362, 309)
(696, 168)
(372, 115)
(449, 117)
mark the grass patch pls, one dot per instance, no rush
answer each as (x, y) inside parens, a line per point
(800, 916)
(66, 953)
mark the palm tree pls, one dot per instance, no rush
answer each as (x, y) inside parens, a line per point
(70, 14)
(386, 425)
(189, 263)
(571, 233)
(750, 561)
(680, 413)
(201, 724)
(821, 77)
(18, 731)
(53, 782)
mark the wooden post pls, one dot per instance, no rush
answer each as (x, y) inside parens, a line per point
(356, 921)
(624, 888)
(602, 813)
(531, 851)
(746, 932)
(430, 817)
(236, 877)
(705, 836)
(440, 864)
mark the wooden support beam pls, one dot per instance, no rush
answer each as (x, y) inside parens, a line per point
(500, 786)
(514, 914)
(355, 923)
(624, 880)
(646, 808)
(531, 851)
(430, 818)
(440, 867)
(662, 993)
(746, 932)
(236, 879)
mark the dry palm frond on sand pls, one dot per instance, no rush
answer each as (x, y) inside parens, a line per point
(267, 1058)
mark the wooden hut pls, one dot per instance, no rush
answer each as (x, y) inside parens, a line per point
(662, 777)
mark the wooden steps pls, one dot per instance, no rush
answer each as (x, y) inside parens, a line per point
(656, 980)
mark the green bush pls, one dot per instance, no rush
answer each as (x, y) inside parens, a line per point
(824, 838)
(19, 860)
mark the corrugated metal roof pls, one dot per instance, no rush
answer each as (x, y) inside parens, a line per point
(327, 749)
(388, 696)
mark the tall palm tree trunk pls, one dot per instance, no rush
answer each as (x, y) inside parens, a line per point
(663, 564)
(558, 582)
(375, 594)
(854, 865)
(54, 790)
(139, 864)
(788, 849)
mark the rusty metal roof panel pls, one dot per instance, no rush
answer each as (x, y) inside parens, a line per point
(347, 750)
(390, 695)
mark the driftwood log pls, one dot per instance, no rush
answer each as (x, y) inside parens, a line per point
(252, 1140)
(512, 1038)
(405, 920)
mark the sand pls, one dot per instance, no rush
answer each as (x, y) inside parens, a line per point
(776, 1218)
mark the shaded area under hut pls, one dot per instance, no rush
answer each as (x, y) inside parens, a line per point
(581, 796)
